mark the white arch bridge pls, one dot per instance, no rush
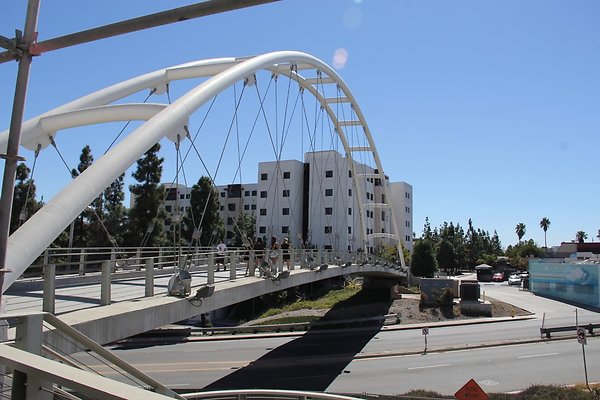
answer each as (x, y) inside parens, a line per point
(171, 121)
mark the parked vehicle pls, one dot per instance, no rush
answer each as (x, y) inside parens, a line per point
(514, 280)
(498, 277)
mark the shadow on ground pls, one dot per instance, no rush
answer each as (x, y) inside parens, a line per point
(311, 362)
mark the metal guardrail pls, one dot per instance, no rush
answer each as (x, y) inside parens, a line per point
(388, 319)
(567, 328)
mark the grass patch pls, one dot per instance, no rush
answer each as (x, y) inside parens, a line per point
(322, 303)
(291, 320)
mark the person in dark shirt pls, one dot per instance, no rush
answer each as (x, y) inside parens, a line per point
(285, 249)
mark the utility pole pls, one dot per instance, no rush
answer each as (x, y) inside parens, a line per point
(21, 50)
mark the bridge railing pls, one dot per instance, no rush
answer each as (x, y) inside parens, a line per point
(111, 268)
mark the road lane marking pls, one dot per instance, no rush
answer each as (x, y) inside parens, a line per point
(431, 366)
(538, 355)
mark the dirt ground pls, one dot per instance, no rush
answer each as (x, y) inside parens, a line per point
(407, 308)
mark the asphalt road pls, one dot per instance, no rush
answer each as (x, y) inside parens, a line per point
(382, 360)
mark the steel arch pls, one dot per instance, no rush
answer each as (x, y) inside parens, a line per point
(30, 240)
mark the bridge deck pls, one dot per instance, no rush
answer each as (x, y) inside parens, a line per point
(131, 316)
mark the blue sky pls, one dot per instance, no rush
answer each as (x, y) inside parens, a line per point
(490, 109)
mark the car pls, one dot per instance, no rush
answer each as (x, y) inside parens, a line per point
(498, 277)
(514, 280)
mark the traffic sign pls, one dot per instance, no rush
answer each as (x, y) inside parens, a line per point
(471, 391)
(581, 336)
(425, 331)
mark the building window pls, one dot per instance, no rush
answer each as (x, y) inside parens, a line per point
(407, 238)
(349, 230)
(328, 210)
(383, 215)
(285, 229)
(329, 174)
(182, 196)
(328, 192)
(222, 194)
(349, 192)
(254, 193)
(264, 177)
(285, 211)
(229, 234)
(407, 224)
(407, 209)
(263, 194)
(286, 175)
(168, 208)
(221, 208)
(349, 174)
(231, 206)
(246, 207)
(253, 207)
(383, 198)
(263, 211)
(188, 196)
(407, 195)
(368, 196)
(328, 229)
(229, 221)
(349, 211)
(262, 229)
(247, 193)
(382, 230)
(286, 192)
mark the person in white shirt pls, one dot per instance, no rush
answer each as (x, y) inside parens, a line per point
(221, 250)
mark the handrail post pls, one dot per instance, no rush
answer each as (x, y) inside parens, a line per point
(210, 279)
(160, 257)
(149, 283)
(138, 259)
(105, 286)
(113, 257)
(48, 302)
(233, 265)
(82, 263)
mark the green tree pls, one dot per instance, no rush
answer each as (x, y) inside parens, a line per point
(203, 216)
(446, 256)
(545, 224)
(422, 262)
(115, 213)
(245, 227)
(24, 202)
(520, 253)
(146, 216)
(580, 236)
(520, 230)
(80, 236)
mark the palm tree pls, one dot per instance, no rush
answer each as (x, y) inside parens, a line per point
(580, 236)
(544, 224)
(520, 230)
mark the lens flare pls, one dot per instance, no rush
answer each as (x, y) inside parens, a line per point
(340, 57)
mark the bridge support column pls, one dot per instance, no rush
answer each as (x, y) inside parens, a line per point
(233, 265)
(105, 285)
(210, 279)
(149, 281)
(303, 259)
(48, 302)
(29, 338)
